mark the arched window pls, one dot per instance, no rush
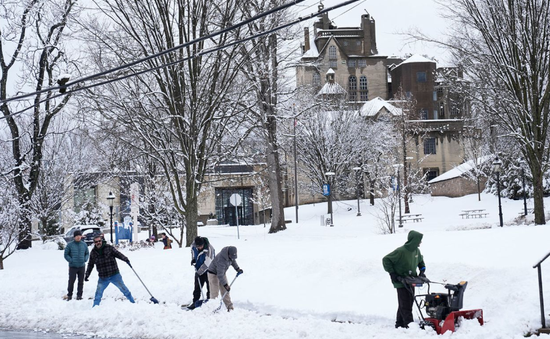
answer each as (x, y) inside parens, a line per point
(363, 88)
(352, 88)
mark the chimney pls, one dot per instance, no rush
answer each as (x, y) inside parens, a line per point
(306, 39)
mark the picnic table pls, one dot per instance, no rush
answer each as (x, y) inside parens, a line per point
(474, 213)
(411, 217)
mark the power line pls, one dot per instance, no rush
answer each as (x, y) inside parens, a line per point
(152, 56)
(300, 19)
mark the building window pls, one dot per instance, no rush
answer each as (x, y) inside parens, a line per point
(429, 146)
(455, 110)
(351, 63)
(421, 77)
(363, 88)
(332, 60)
(352, 88)
(423, 114)
(332, 53)
(316, 79)
(442, 109)
(435, 96)
(435, 114)
(431, 173)
(362, 63)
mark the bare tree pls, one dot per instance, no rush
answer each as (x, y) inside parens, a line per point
(262, 71)
(36, 30)
(504, 47)
(178, 113)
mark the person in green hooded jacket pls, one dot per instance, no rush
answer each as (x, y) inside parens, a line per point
(401, 263)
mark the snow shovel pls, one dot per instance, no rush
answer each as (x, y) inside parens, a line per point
(223, 296)
(153, 299)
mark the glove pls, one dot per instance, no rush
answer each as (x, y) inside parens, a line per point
(394, 278)
(193, 261)
(422, 274)
(227, 287)
(128, 262)
(240, 271)
(86, 278)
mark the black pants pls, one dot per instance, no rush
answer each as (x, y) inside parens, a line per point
(405, 298)
(197, 291)
(73, 273)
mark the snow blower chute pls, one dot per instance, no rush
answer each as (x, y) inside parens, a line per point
(443, 309)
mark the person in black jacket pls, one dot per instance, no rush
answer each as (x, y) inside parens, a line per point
(103, 256)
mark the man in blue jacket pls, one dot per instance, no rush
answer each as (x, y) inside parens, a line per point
(76, 253)
(202, 254)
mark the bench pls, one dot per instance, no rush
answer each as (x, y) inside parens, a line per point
(474, 213)
(411, 217)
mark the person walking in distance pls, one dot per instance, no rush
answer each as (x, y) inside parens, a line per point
(76, 254)
(402, 263)
(104, 257)
(217, 274)
(202, 254)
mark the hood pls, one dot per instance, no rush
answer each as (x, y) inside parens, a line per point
(413, 240)
(232, 252)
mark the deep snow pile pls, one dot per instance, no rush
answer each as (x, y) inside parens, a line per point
(309, 281)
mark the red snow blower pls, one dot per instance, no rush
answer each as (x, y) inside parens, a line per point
(443, 309)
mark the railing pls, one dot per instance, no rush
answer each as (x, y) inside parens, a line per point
(541, 296)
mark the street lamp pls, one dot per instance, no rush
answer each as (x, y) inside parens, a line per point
(357, 172)
(497, 168)
(330, 175)
(111, 200)
(399, 193)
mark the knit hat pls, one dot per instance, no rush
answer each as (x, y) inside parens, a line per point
(77, 232)
(199, 241)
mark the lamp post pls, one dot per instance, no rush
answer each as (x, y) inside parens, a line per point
(330, 175)
(357, 173)
(524, 192)
(111, 200)
(497, 168)
(399, 193)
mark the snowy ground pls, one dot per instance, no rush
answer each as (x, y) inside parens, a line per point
(309, 281)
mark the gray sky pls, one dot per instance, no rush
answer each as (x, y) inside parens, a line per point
(392, 17)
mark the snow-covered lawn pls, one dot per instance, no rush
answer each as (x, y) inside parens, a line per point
(309, 281)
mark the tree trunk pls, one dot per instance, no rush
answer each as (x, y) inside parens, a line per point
(191, 213)
(1, 262)
(538, 194)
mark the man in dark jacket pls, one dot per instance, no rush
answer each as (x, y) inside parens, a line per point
(202, 254)
(216, 274)
(104, 256)
(76, 254)
(402, 263)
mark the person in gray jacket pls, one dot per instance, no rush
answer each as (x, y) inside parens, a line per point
(216, 274)
(76, 254)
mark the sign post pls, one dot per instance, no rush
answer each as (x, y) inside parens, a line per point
(236, 200)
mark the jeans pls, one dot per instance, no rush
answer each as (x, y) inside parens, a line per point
(197, 291)
(73, 273)
(116, 280)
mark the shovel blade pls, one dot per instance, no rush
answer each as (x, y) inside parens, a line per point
(154, 300)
